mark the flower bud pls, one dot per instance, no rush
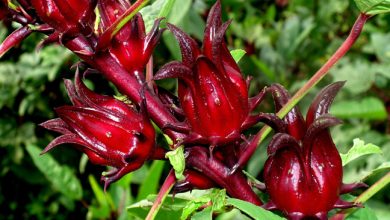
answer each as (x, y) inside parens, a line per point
(131, 46)
(108, 131)
(212, 91)
(303, 174)
(66, 16)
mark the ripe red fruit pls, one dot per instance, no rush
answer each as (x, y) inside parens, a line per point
(131, 46)
(303, 173)
(108, 131)
(212, 91)
(66, 16)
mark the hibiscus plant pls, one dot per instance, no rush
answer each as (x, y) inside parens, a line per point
(211, 124)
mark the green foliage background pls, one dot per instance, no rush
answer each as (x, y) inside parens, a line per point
(284, 44)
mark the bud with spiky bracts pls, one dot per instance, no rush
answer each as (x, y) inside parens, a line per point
(212, 91)
(66, 17)
(303, 174)
(131, 46)
(108, 131)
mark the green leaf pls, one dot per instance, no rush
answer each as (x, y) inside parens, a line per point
(192, 206)
(181, 9)
(205, 214)
(61, 177)
(219, 199)
(237, 54)
(252, 210)
(170, 209)
(370, 108)
(159, 8)
(176, 158)
(365, 213)
(373, 7)
(359, 149)
(151, 182)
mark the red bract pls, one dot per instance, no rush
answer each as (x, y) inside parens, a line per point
(212, 91)
(131, 46)
(108, 131)
(66, 16)
(193, 180)
(303, 173)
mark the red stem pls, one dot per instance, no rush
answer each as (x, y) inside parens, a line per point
(236, 184)
(341, 51)
(164, 190)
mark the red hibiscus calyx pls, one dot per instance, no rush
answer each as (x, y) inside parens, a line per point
(303, 173)
(130, 46)
(213, 93)
(108, 131)
(67, 17)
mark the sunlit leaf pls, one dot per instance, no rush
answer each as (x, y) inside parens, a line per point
(373, 7)
(237, 54)
(205, 214)
(252, 210)
(177, 160)
(368, 108)
(159, 9)
(359, 149)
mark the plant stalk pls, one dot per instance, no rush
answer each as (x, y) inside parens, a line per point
(162, 194)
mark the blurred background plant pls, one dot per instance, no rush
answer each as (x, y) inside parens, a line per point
(285, 42)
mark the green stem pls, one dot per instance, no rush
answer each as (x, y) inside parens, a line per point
(165, 188)
(366, 195)
(341, 51)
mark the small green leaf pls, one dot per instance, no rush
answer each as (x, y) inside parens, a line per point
(170, 209)
(237, 54)
(151, 182)
(373, 7)
(359, 149)
(193, 205)
(176, 158)
(159, 8)
(61, 177)
(369, 108)
(252, 210)
(205, 214)
(219, 200)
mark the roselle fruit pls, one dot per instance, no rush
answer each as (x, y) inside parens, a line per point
(108, 131)
(303, 173)
(212, 91)
(66, 17)
(131, 46)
